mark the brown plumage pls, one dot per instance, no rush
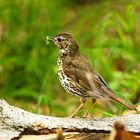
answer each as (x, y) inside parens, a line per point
(77, 75)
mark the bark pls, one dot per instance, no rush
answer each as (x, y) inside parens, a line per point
(15, 122)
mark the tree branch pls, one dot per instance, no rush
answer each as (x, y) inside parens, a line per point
(14, 121)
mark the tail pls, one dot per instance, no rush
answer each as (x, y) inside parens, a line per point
(124, 103)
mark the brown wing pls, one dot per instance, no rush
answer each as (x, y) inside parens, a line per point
(75, 69)
(82, 72)
(78, 68)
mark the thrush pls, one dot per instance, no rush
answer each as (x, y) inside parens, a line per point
(77, 75)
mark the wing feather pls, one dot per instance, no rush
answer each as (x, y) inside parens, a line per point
(77, 70)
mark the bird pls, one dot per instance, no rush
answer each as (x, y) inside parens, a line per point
(78, 77)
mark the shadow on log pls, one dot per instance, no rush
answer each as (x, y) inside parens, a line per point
(16, 122)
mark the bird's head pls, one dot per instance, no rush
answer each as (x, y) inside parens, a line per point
(66, 43)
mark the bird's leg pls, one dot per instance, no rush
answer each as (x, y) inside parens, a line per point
(83, 101)
(87, 112)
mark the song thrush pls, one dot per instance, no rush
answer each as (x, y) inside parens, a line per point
(78, 77)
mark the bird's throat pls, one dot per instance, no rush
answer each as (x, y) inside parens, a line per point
(62, 52)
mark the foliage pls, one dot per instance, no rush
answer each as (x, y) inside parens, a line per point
(107, 31)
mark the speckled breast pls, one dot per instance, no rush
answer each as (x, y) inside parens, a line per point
(66, 81)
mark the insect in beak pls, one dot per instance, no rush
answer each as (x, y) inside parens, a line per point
(49, 39)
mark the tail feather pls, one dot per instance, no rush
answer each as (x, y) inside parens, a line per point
(124, 103)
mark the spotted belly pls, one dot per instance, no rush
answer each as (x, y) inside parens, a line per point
(69, 85)
(65, 82)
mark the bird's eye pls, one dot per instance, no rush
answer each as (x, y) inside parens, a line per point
(59, 39)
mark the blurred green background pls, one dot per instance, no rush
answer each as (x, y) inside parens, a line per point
(108, 32)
